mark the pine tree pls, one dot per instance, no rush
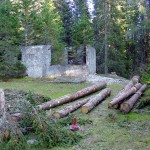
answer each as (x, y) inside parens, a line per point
(109, 29)
(9, 39)
(65, 11)
(82, 27)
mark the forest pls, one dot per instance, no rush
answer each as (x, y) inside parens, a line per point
(44, 113)
(119, 30)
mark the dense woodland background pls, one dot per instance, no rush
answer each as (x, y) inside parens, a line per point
(118, 29)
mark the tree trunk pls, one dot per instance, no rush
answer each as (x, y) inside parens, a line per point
(124, 95)
(2, 104)
(135, 79)
(128, 105)
(8, 126)
(106, 38)
(71, 97)
(64, 112)
(95, 100)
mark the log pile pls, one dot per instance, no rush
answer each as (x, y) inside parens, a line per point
(87, 104)
(127, 98)
(71, 97)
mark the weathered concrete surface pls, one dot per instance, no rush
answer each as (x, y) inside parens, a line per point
(91, 59)
(69, 79)
(67, 70)
(37, 59)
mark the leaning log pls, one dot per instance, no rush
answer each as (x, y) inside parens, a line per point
(93, 102)
(132, 82)
(124, 95)
(128, 105)
(126, 88)
(67, 110)
(71, 97)
(135, 79)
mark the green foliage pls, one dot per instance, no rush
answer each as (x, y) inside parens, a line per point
(66, 15)
(47, 133)
(9, 70)
(146, 75)
(14, 143)
(36, 99)
(144, 100)
(9, 36)
(54, 135)
(82, 32)
(52, 29)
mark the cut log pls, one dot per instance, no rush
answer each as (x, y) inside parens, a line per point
(8, 126)
(135, 79)
(124, 95)
(67, 110)
(126, 88)
(128, 105)
(2, 104)
(71, 97)
(94, 101)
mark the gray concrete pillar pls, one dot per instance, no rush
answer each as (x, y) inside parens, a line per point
(91, 59)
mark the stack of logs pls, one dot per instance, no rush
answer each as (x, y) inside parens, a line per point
(87, 104)
(127, 98)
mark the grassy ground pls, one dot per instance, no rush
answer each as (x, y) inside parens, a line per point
(105, 129)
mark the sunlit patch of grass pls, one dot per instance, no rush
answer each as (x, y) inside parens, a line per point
(52, 90)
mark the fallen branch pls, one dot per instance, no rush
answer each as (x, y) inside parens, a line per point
(128, 105)
(71, 97)
(95, 100)
(124, 95)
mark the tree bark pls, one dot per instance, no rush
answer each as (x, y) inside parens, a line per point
(2, 104)
(71, 97)
(128, 105)
(67, 110)
(8, 126)
(135, 79)
(106, 38)
(95, 100)
(124, 95)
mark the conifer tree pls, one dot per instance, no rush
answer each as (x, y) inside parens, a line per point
(9, 38)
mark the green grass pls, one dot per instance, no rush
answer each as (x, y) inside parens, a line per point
(52, 90)
(108, 128)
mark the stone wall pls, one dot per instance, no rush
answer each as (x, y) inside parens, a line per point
(37, 59)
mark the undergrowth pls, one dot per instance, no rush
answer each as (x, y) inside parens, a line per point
(48, 132)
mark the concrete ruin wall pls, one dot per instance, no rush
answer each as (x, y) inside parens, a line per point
(37, 59)
(91, 59)
(67, 70)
